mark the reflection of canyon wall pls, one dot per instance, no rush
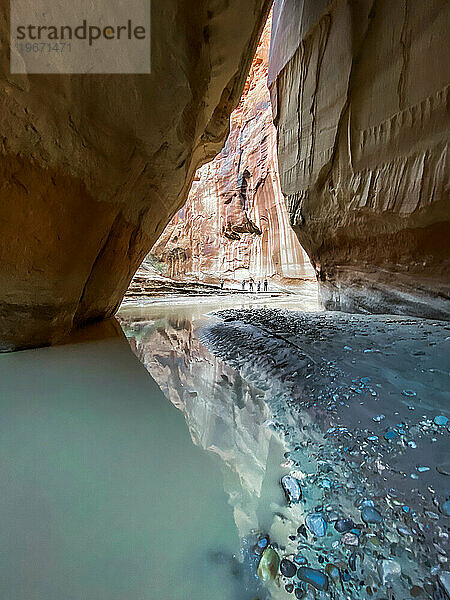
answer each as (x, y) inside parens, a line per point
(360, 99)
(94, 166)
(235, 222)
(224, 414)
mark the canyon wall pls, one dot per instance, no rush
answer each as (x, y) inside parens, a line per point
(94, 166)
(359, 93)
(235, 223)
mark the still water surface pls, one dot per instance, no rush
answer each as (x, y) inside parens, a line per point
(142, 473)
(104, 494)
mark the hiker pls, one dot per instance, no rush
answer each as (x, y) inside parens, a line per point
(258, 286)
(222, 283)
(243, 284)
(265, 285)
(250, 283)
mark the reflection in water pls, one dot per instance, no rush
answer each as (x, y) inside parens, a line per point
(224, 414)
(292, 389)
(104, 496)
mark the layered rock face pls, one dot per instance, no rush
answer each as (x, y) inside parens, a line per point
(94, 166)
(235, 223)
(360, 98)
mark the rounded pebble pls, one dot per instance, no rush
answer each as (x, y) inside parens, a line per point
(268, 565)
(344, 525)
(369, 514)
(287, 568)
(316, 578)
(316, 524)
(263, 541)
(291, 488)
(350, 539)
(445, 508)
(443, 469)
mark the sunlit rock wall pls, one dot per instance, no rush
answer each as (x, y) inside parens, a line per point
(235, 223)
(94, 166)
(360, 99)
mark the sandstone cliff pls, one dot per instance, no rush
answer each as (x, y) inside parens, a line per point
(235, 223)
(360, 99)
(94, 166)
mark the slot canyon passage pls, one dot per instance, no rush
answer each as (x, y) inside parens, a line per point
(266, 213)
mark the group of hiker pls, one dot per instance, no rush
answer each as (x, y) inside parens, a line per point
(251, 284)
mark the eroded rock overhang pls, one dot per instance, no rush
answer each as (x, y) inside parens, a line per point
(94, 166)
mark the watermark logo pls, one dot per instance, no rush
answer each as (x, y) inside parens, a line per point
(80, 36)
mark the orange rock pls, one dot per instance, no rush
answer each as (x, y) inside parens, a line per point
(235, 223)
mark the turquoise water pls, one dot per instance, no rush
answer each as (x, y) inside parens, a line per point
(142, 468)
(104, 495)
(327, 384)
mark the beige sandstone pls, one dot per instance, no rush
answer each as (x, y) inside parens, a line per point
(94, 166)
(360, 98)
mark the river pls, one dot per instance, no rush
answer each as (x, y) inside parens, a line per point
(145, 469)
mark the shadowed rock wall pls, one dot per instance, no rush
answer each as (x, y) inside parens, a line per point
(94, 166)
(360, 99)
(235, 223)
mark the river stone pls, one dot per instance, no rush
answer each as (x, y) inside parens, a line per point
(316, 578)
(287, 568)
(261, 545)
(344, 525)
(291, 488)
(445, 508)
(389, 570)
(268, 565)
(302, 531)
(416, 591)
(350, 539)
(355, 560)
(369, 514)
(331, 517)
(263, 541)
(316, 524)
(444, 580)
(443, 469)
(403, 530)
(333, 572)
